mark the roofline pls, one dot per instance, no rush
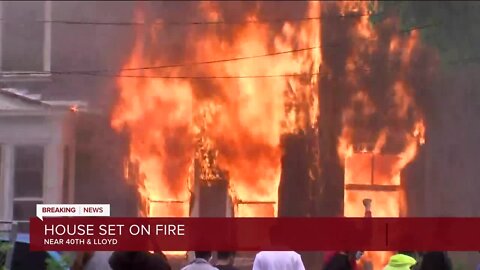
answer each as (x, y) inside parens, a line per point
(50, 112)
(25, 99)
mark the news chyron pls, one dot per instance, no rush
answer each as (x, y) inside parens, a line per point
(73, 210)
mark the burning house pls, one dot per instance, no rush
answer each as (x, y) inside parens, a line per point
(229, 116)
(238, 115)
(264, 110)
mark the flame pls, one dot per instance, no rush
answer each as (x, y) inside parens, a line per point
(227, 125)
(232, 127)
(255, 113)
(74, 108)
(374, 155)
(161, 136)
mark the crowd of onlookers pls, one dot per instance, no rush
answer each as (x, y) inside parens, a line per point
(400, 261)
(264, 260)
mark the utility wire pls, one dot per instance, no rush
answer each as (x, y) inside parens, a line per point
(193, 63)
(90, 72)
(206, 77)
(103, 72)
(179, 23)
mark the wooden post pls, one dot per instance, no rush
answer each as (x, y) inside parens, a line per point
(293, 191)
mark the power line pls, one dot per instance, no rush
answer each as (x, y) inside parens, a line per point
(88, 72)
(194, 63)
(205, 77)
(103, 72)
(180, 23)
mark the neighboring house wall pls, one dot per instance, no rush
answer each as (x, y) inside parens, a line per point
(30, 43)
(33, 139)
(26, 36)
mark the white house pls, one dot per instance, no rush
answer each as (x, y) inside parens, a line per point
(37, 155)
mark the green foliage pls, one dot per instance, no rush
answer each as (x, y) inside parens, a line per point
(448, 26)
(66, 261)
(4, 248)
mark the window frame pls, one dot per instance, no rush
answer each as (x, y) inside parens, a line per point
(13, 198)
(45, 72)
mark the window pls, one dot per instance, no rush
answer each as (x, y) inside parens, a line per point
(25, 36)
(28, 184)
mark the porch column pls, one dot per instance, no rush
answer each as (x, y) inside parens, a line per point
(6, 182)
(53, 165)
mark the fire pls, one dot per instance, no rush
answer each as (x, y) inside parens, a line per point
(161, 137)
(374, 151)
(230, 122)
(74, 108)
(231, 125)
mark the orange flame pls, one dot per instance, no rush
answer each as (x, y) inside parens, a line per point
(230, 124)
(161, 136)
(74, 108)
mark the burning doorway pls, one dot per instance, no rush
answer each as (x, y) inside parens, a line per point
(375, 176)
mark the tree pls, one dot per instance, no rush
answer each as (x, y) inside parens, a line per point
(448, 26)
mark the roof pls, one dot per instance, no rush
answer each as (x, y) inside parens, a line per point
(12, 100)
(19, 101)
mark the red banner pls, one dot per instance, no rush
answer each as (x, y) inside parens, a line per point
(254, 234)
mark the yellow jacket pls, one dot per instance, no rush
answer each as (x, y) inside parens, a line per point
(400, 262)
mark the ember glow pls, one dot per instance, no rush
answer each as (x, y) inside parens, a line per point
(233, 124)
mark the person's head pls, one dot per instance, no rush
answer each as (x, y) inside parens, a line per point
(436, 260)
(226, 256)
(123, 260)
(206, 255)
(341, 260)
(354, 255)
